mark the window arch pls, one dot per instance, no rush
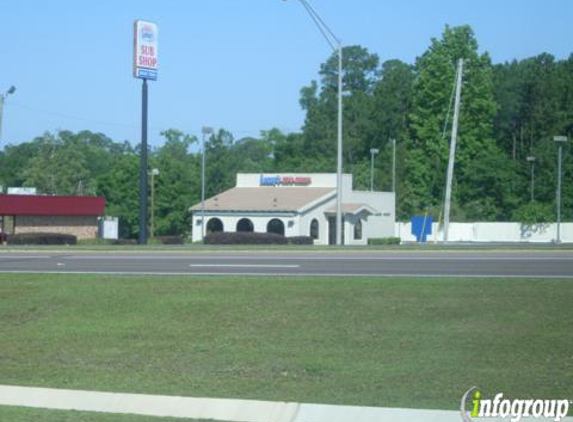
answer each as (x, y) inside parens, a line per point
(214, 225)
(245, 225)
(276, 226)
(314, 229)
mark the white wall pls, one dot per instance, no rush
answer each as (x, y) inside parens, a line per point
(492, 232)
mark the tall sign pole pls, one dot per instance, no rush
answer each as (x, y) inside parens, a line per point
(144, 67)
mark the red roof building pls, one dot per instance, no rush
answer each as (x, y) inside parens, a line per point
(77, 215)
(51, 205)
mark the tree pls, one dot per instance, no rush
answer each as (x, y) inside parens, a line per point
(178, 184)
(59, 168)
(432, 95)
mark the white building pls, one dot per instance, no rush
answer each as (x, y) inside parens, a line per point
(298, 205)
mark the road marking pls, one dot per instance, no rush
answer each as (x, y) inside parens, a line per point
(242, 266)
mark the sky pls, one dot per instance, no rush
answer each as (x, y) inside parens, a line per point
(238, 65)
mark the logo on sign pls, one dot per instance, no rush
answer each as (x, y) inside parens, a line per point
(285, 181)
(147, 33)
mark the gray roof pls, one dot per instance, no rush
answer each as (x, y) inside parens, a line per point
(351, 209)
(271, 198)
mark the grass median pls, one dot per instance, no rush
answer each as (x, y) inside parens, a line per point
(21, 414)
(418, 343)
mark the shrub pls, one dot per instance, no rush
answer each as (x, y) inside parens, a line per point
(244, 238)
(124, 242)
(170, 240)
(300, 240)
(42, 239)
(384, 241)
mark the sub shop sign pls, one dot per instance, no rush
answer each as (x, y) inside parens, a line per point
(145, 50)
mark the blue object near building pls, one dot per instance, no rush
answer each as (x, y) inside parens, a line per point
(422, 227)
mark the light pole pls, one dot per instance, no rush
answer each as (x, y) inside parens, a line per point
(153, 173)
(531, 159)
(394, 165)
(560, 140)
(11, 90)
(336, 45)
(206, 131)
(373, 152)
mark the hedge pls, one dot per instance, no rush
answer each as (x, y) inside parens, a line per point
(170, 240)
(384, 241)
(244, 238)
(42, 239)
(300, 240)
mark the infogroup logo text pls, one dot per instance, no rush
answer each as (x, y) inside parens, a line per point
(515, 409)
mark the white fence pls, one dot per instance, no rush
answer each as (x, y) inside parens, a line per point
(492, 232)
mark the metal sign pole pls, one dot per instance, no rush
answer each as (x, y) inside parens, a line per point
(143, 168)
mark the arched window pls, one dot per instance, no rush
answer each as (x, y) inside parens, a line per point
(276, 226)
(358, 230)
(314, 229)
(245, 225)
(214, 225)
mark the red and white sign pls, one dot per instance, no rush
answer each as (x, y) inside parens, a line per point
(145, 50)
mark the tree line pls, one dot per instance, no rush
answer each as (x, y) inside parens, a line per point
(509, 112)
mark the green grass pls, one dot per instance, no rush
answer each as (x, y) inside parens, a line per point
(21, 414)
(415, 343)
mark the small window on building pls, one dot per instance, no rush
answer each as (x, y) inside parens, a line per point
(245, 225)
(276, 226)
(314, 233)
(358, 230)
(214, 225)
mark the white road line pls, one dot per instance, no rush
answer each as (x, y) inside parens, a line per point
(242, 266)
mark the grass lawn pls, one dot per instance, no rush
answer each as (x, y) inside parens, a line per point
(21, 414)
(417, 343)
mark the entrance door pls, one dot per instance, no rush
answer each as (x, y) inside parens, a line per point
(332, 230)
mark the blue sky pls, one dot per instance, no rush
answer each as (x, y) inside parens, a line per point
(233, 64)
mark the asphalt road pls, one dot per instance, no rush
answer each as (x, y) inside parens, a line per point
(538, 264)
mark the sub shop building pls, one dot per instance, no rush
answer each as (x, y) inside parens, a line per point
(297, 205)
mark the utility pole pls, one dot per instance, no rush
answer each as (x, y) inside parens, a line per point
(559, 140)
(336, 44)
(153, 173)
(453, 140)
(394, 165)
(373, 152)
(206, 131)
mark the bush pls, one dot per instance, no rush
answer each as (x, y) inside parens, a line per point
(244, 238)
(124, 242)
(42, 239)
(170, 240)
(300, 240)
(384, 241)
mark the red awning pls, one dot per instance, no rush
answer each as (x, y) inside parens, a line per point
(51, 205)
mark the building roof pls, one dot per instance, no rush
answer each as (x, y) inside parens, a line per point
(264, 199)
(352, 209)
(51, 205)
